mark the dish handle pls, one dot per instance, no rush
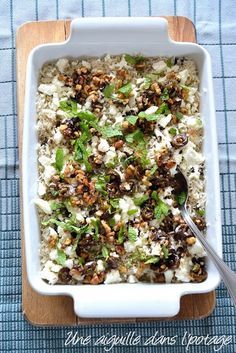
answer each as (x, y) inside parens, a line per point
(126, 301)
(119, 29)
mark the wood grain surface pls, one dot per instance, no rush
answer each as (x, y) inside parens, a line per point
(58, 310)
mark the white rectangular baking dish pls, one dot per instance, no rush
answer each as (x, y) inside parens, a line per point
(96, 37)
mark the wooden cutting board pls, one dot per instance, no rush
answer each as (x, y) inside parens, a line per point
(58, 310)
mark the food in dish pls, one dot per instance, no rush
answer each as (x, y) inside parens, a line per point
(112, 132)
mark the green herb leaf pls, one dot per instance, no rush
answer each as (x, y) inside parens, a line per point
(111, 131)
(147, 83)
(61, 257)
(81, 261)
(132, 119)
(138, 201)
(112, 222)
(169, 62)
(56, 205)
(132, 234)
(179, 116)
(148, 117)
(185, 87)
(165, 251)
(155, 196)
(81, 154)
(68, 106)
(126, 161)
(180, 198)
(121, 232)
(196, 267)
(132, 212)
(201, 212)
(67, 226)
(152, 260)
(173, 131)
(105, 252)
(109, 90)
(163, 109)
(132, 60)
(153, 170)
(101, 184)
(114, 203)
(161, 209)
(135, 136)
(59, 159)
(165, 95)
(126, 89)
(95, 223)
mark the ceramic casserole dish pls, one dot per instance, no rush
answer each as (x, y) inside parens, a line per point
(96, 37)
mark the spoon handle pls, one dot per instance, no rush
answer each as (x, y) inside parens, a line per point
(227, 275)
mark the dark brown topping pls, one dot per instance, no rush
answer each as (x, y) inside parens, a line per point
(200, 222)
(64, 275)
(179, 141)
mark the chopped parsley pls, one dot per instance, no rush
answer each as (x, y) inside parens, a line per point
(132, 119)
(132, 234)
(111, 131)
(109, 90)
(105, 252)
(133, 60)
(126, 89)
(61, 257)
(138, 201)
(152, 260)
(59, 159)
(101, 184)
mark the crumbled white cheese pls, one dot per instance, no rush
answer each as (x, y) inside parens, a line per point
(41, 189)
(110, 155)
(48, 173)
(103, 145)
(155, 249)
(79, 216)
(53, 254)
(69, 263)
(183, 75)
(112, 277)
(165, 120)
(47, 274)
(197, 249)
(58, 136)
(62, 64)
(117, 217)
(43, 205)
(191, 156)
(132, 279)
(151, 110)
(56, 268)
(182, 272)
(159, 66)
(100, 266)
(168, 275)
(48, 89)
(126, 204)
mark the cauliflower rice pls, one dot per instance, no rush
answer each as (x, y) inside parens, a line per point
(112, 132)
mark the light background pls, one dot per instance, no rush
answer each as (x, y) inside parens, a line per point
(216, 30)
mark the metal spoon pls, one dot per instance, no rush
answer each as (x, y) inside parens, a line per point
(227, 275)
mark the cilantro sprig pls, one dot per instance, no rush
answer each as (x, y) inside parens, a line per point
(161, 209)
(132, 234)
(111, 131)
(126, 89)
(133, 60)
